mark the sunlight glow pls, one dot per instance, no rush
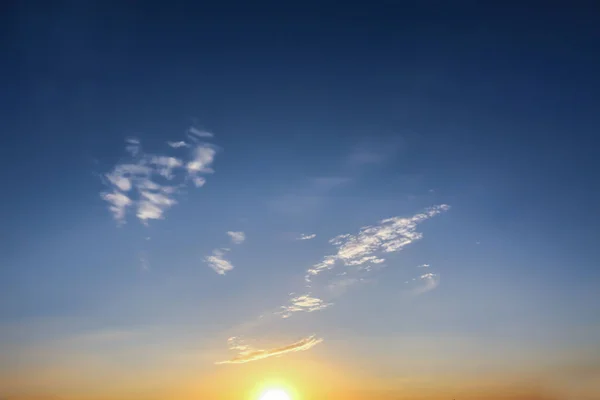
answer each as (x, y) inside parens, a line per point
(275, 394)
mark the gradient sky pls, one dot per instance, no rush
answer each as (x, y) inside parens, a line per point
(359, 201)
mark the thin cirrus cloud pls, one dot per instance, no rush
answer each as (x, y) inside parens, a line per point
(366, 247)
(307, 237)
(178, 144)
(305, 303)
(246, 353)
(360, 255)
(237, 237)
(148, 183)
(218, 262)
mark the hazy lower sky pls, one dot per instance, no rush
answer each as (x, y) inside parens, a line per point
(352, 201)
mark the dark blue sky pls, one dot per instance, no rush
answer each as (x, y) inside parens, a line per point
(327, 118)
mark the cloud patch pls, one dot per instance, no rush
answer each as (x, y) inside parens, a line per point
(371, 242)
(307, 237)
(247, 354)
(359, 255)
(218, 262)
(149, 183)
(427, 282)
(237, 237)
(305, 303)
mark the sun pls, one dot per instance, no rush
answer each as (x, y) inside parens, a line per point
(275, 394)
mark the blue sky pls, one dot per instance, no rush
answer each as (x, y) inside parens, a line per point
(471, 128)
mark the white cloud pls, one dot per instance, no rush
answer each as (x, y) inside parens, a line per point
(202, 158)
(237, 237)
(428, 282)
(165, 165)
(360, 255)
(142, 176)
(307, 237)
(218, 262)
(247, 353)
(305, 303)
(390, 235)
(179, 144)
(194, 134)
(119, 202)
(423, 266)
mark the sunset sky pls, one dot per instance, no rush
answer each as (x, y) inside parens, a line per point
(387, 201)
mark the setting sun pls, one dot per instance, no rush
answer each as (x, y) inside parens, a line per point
(275, 394)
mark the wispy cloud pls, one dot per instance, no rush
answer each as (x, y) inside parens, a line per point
(118, 203)
(428, 282)
(423, 266)
(218, 262)
(247, 353)
(359, 255)
(149, 183)
(307, 237)
(368, 246)
(237, 237)
(305, 303)
(195, 134)
(179, 144)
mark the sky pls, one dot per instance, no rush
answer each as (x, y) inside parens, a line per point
(375, 200)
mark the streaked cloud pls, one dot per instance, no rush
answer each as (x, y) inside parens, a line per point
(218, 262)
(360, 255)
(179, 144)
(196, 134)
(423, 266)
(305, 303)
(247, 353)
(368, 246)
(118, 203)
(307, 237)
(237, 237)
(149, 183)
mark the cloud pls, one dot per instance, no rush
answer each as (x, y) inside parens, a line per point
(118, 203)
(390, 235)
(152, 181)
(237, 237)
(166, 165)
(428, 282)
(360, 255)
(305, 303)
(307, 237)
(179, 144)
(195, 134)
(218, 262)
(247, 353)
(423, 266)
